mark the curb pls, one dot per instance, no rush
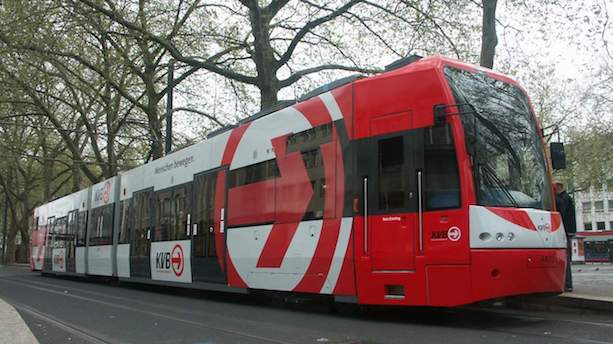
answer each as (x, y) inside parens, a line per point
(13, 327)
(565, 303)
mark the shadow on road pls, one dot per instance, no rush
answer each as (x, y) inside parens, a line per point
(468, 317)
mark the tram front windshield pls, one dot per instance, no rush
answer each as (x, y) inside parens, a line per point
(502, 138)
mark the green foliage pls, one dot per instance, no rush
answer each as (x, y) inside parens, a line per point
(589, 155)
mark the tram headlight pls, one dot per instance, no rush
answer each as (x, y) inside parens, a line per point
(510, 236)
(499, 236)
(485, 236)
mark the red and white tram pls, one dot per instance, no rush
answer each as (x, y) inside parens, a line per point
(425, 185)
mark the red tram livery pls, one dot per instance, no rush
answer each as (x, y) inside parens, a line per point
(424, 185)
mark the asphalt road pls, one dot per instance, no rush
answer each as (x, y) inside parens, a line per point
(60, 310)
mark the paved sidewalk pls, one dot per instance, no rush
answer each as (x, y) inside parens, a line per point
(592, 290)
(592, 287)
(13, 329)
(593, 279)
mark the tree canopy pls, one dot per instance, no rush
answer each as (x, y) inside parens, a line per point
(84, 82)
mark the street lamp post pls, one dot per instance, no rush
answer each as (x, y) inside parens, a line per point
(171, 70)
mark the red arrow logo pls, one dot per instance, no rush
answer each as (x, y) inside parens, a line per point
(293, 194)
(177, 260)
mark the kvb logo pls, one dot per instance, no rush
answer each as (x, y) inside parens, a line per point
(170, 261)
(454, 233)
(174, 261)
(106, 192)
(103, 194)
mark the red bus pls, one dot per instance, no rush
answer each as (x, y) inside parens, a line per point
(425, 185)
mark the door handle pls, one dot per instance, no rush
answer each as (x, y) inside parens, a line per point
(222, 221)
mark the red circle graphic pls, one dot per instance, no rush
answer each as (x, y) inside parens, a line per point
(106, 192)
(454, 233)
(177, 260)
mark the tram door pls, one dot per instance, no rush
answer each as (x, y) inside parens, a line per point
(48, 243)
(389, 180)
(140, 236)
(205, 251)
(445, 224)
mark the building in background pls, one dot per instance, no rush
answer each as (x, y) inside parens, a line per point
(594, 212)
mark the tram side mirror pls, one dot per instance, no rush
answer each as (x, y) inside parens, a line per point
(440, 113)
(558, 156)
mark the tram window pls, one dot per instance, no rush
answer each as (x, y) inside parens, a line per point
(179, 216)
(253, 173)
(163, 215)
(313, 162)
(308, 142)
(101, 226)
(72, 223)
(390, 167)
(141, 210)
(59, 232)
(310, 138)
(172, 212)
(72, 232)
(50, 222)
(204, 216)
(181, 212)
(81, 227)
(126, 221)
(442, 184)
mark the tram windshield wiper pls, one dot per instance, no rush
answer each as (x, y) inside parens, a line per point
(490, 176)
(494, 129)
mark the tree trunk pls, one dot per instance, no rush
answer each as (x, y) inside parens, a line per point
(155, 128)
(264, 58)
(268, 97)
(76, 176)
(111, 115)
(11, 233)
(489, 40)
(47, 170)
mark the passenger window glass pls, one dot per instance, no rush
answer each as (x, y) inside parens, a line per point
(127, 221)
(71, 233)
(204, 212)
(181, 212)
(59, 231)
(308, 143)
(101, 223)
(309, 139)
(314, 164)
(392, 182)
(142, 223)
(253, 173)
(82, 226)
(162, 216)
(442, 185)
